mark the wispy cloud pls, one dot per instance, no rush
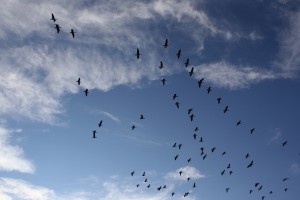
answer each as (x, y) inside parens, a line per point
(111, 116)
(276, 136)
(295, 168)
(187, 172)
(12, 156)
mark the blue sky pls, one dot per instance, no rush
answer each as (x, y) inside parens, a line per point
(248, 52)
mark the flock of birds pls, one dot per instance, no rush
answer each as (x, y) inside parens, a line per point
(258, 186)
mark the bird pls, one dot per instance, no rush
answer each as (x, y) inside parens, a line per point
(222, 173)
(142, 117)
(200, 82)
(227, 189)
(196, 128)
(175, 158)
(53, 18)
(219, 100)
(224, 153)
(166, 44)
(201, 139)
(192, 71)
(195, 136)
(284, 143)
(271, 192)
(250, 165)
(202, 149)
(132, 173)
(146, 180)
(163, 81)
(159, 188)
(189, 160)
(178, 53)
(250, 191)
(177, 104)
(252, 130)
(209, 90)
(263, 197)
(238, 123)
(137, 185)
(144, 174)
(180, 172)
(192, 117)
(204, 156)
(148, 186)
(57, 28)
(194, 185)
(78, 81)
(213, 149)
(186, 194)
(260, 187)
(247, 155)
(179, 146)
(86, 91)
(256, 184)
(228, 166)
(230, 172)
(94, 134)
(173, 193)
(133, 127)
(161, 65)
(165, 186)
(73, 33)
(174, 145)
(138, 53)
(100, 123)
(285, 189)
(285, 179)
(174, 96)
(226, 109)
(188, 179)
(190, 110)
(187, 62)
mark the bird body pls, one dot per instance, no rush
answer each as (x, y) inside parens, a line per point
(73, 33)
(166, 44)
(57, 28)
(53, 18)
(138, 53)
(78, 81)
(178, 53)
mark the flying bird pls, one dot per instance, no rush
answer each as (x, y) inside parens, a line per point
(200, 82)
(78, 81)
(132, 173)
(284, 143)
(180, 172)
(73, 33)
(260, 187)
(230, 172)
(194, 185)
(137, 53)
(247, 155)
(161, 65)
(179, 146)
(285, 189)
(189, 160)
(159, 188)
(226, 109)
(263, 197)
(57, 28)
(201, 139)
(186, 194)
(163, 81)
(187, 62)
(204, 156)
(100, 124)
(188, 179)
(238, 123)
(250, 165)
(190, 110)
(192, 117)
(174, 96)
(196, 128)
(94, 134)
(227, 189)
(146, 180)
(144, 174)
(137, 185)
(256, 184)
(53, 18)
(133, 127)
(177, 104)
(148, 186)
(142, 117)
(219, 100)
(224, 153)
(175, 158)
(166, 44)
(173, 193)
(213, 149)
(192, 71)
(222, 173)
(250, 191)
(174, 145)
(228, 166)
(285, 179)
(252, 130)
(209, 90)
(195, 136)
(86, 91)
(178, 53)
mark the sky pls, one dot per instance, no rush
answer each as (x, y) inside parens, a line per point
(247, 52)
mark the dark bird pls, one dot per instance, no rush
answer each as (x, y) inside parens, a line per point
(194, 185)
(187, 62)
(285, 179)
(204, 156)
(195, 136)
(251, 164)
(174, 145)
(137, 185)
(224, 153)
(179, 146)
(263, 197)
(256, 184)
(73, 33)
(247, 155)
(219, 100)
(230, 172)
(260, 187)
(284, 143)
(228, 166)
(53, 18)
(78, 81)
(271, 192)
(222, 173)
(250, 191)
(209, 90)
(137, 53)
(166, 44)
(285, 189)
(144, 174)
(200, 82)
(180, 172)
(86, 91)
(163, 81)
(190, 110)
(175, 158)
(159, 188)
(188, 179)
(226, 109)
(142, 117)
(161, 65)
(100, 124)
(132, 173)
(213, 149)
(192, 117)
(186, 194)
(133, 127)
(177, 104)
(57, 28)
(189, 160)
(94, 134)
(148, 186)
(252, 130)
(201, 139)
(238, 123)
(196, 129)
(227, 189)
(165, 186)
(178, 54)
(202, 149)
(146, 180)
(174, 96)
(192, 71)
(173, 193)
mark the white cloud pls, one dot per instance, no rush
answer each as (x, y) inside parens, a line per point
(187, 172)
(226, 75)
(12, 157)
(111, 116)
(276, 136)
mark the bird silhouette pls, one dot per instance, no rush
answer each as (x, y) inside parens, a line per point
(260, 187)
(285, 179)
(224, 153)
(133, 127)
(148, 186)
(263, 197)
(219, 100)
(226, 109)
(138, 53)
(250, 191)
(137, 185)
(189, 160)
(200, 82)
(180, 172)
(53, 18)
(142, 117)
(195, 136)
(238, 123)
(144, 174)
(178, 53)
(204, 157)
(271, 192)
(192, 117)
(174, 145)
(165, 186)
(201, 139)
(284, 143)
(247, 155)
(78, 81)
(94, 134)
(161, 65)
(196, 128)
(179, 146)
(252, 130)
(257, 184)
(175, 158)
(250, 165)
(192, 71)
(285, 189)
(227, 189)
(222, 173)
(86, 91)
(187, 62)
(188, 179)
(57, 28)
(230, 172)
(213, 149)
(177, 104)
(228, 166)
(209, 90)
(174, 96)
(190, 110)
(186, 194)
(73, 33)
(100, 123)
(173, 193)
(194, 185)
(132, 173)
(159, 188)
(163, 81)
(166, 44)
(146, 180)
